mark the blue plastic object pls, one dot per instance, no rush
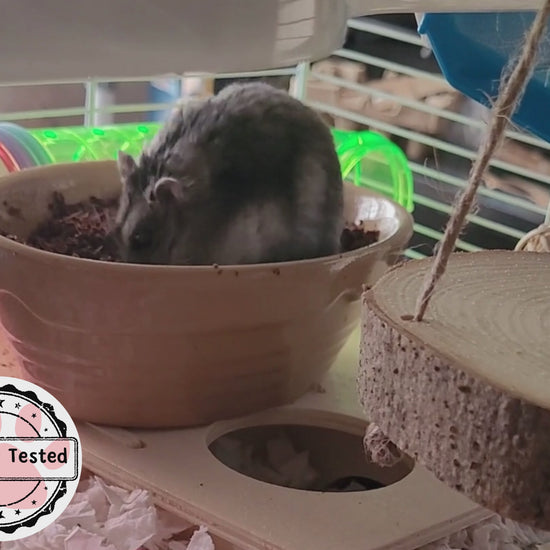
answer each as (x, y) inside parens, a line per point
(166, 90)
(474, 49)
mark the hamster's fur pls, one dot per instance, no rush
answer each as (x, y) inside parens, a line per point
(249, 175)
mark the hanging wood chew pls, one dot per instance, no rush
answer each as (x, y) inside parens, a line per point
(467, 391)
(455, 364)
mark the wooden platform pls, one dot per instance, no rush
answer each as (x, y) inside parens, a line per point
(243, 513)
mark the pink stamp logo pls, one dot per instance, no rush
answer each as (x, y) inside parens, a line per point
(40, 459)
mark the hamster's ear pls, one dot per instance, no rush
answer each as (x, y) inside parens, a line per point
(126, 165)
(170, 189)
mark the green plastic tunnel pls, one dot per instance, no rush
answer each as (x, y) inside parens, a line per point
(367, 158)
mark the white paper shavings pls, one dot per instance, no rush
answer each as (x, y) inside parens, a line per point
(495, 533)
(200, 541)
(379, 449)
(277, 462)
(105, 517)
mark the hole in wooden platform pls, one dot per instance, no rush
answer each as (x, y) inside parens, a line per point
(311, 458)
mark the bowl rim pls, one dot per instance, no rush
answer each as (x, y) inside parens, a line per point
(403, 232)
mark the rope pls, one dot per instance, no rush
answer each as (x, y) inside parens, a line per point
(510, 94)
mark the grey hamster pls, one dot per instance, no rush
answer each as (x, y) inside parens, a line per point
(249, 175)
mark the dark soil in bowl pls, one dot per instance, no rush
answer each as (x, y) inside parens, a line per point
(79, 230)
(355, 236)
(82, 230)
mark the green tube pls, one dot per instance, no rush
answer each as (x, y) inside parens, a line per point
(81, 143)
(371, 160)
(367, 159)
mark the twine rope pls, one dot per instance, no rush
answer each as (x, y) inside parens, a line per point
(510, 93)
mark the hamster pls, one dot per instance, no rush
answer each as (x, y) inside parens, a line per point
(249, 175)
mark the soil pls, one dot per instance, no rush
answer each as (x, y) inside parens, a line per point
(82, 230)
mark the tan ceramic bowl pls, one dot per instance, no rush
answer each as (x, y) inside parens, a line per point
(166, 346)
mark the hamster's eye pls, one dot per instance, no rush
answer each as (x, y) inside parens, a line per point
(141, 239)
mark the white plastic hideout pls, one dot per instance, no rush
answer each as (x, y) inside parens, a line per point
(242, 513)
(60, 40)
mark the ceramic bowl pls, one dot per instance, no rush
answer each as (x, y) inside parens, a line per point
(166, 346)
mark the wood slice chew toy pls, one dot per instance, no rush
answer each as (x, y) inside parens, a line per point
(467, 390)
